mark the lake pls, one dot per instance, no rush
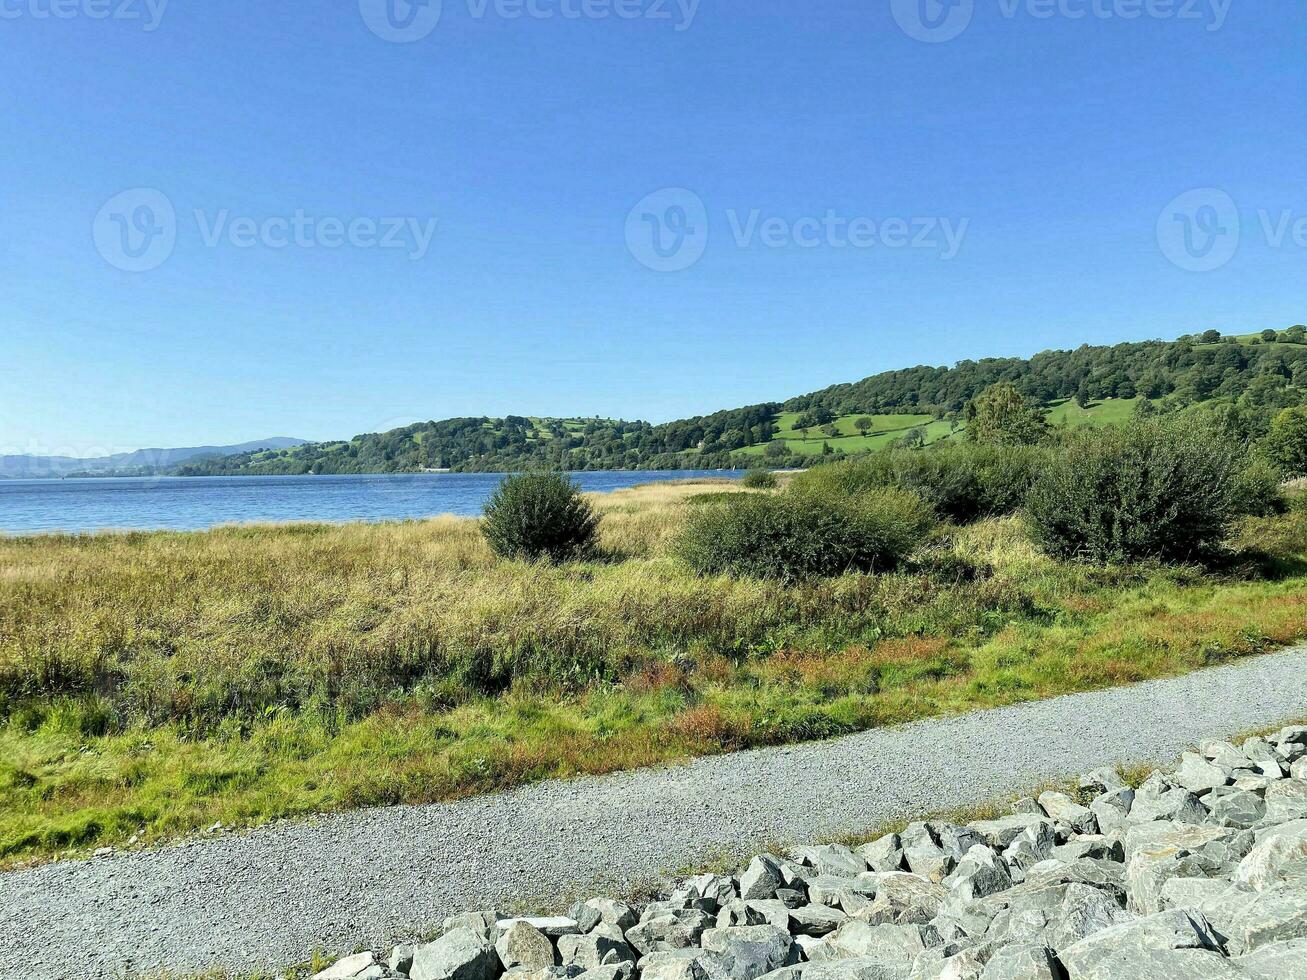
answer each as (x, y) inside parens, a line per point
(193, 503)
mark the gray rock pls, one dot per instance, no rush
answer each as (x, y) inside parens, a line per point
(593, 951)
(1136, 963)
(1094, 846)
(942, 963)
(1192, 893)
(1286, 799)
(954, 840)
(401, 958)
(460, 954)
(482, 923)
(1299, 769)
(1102, 780)
(1032, 845)
(835, 860)
(1062, 809)
(715, 888)
(902, 898)
(761, 878)
(893, 947)
(1112, 808)
(590, 913)
(741, 913)
(347, 968)
(869, 968)
(1231, 806)
(1160, 851)
(552, 926)
(1276, 914)
(1199, 776)
(1176, 805)
(1003, 831)
(1276, 961)
(523, 945)
(774, 912)
(815, 920)
(883, 854)
(748, 952)
(681, 964)
(1022, 962)
(1224, 754)
(981, 872)
(1277, 857)
(923, 855)
(669, 931)
(1107, 876)
(1084, 912)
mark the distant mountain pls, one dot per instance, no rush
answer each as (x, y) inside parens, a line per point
(141, 462)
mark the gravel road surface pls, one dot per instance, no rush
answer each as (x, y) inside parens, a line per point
(267, 898)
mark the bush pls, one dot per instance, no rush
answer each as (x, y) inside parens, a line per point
(962, 481)
(800, 534)
(1154, 490)
(1286, 443)
(759, 480)
(539, 515)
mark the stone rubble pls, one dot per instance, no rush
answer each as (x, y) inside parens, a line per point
(1200, 873)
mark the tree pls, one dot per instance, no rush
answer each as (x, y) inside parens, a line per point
(776, 448)
(1000, 415)
(914, 438)
(829, 431)
(1210, 337)
(863, 424)
(1286, 443)
(1268, 335)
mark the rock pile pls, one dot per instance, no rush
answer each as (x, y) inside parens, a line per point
(1196, 874)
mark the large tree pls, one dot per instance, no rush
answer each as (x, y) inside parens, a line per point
(1001, 415)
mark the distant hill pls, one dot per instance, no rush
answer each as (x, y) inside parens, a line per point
(142, 462)
(1253, 374)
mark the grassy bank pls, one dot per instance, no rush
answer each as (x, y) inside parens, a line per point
(152, 684)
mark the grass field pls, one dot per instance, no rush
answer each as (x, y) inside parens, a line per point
(1111, 411)
(153, 684)
(884, 432)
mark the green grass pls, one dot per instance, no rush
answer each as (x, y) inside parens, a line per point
(153, 684)
(886, 430)
(1110, 411)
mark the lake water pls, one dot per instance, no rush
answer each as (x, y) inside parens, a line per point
(192, 503)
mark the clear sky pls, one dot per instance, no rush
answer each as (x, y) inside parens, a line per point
(1033, 159)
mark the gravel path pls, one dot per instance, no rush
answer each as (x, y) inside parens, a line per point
(267, 898)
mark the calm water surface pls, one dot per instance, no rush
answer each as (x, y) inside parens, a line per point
(192, 503)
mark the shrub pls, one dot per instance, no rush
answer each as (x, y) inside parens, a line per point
(801, 533)
(962, 481)
(539, 515)
(1258, 492)
(759, 480)
(1286, 443)
(1153, 490)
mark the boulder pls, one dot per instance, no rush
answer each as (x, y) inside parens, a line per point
(1159, 851)
(761, 878)
(1084, 912)
(815, 920)
(552, 926)
(1022, 962)
(747, 952)
(1199, 776)
(1256, 919)
(1062, 809)
(681, 964)
(883, 854)
(1223, 754)
(714, 888)
(1286, 799)
(347, 968)
(902, 898)
(954, 840)
(1277, 857)
(1139, 963)
(482, 923)
(893, 947)
(834, 860)
(981, 872)
(1094, 846)
(596, 910)
(1102, 780)
(1176, 805)
(741, 913)
(669, 931)
(1031, 846)
(593, 951)
(460, 954)
(1231, 806)
(1000, 833)
(849, 894)
(923, 854)
(1112, 808)
(401, 958)
(523, 945)
(1275, 961)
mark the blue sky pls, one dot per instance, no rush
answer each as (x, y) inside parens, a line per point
(1050, 147)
